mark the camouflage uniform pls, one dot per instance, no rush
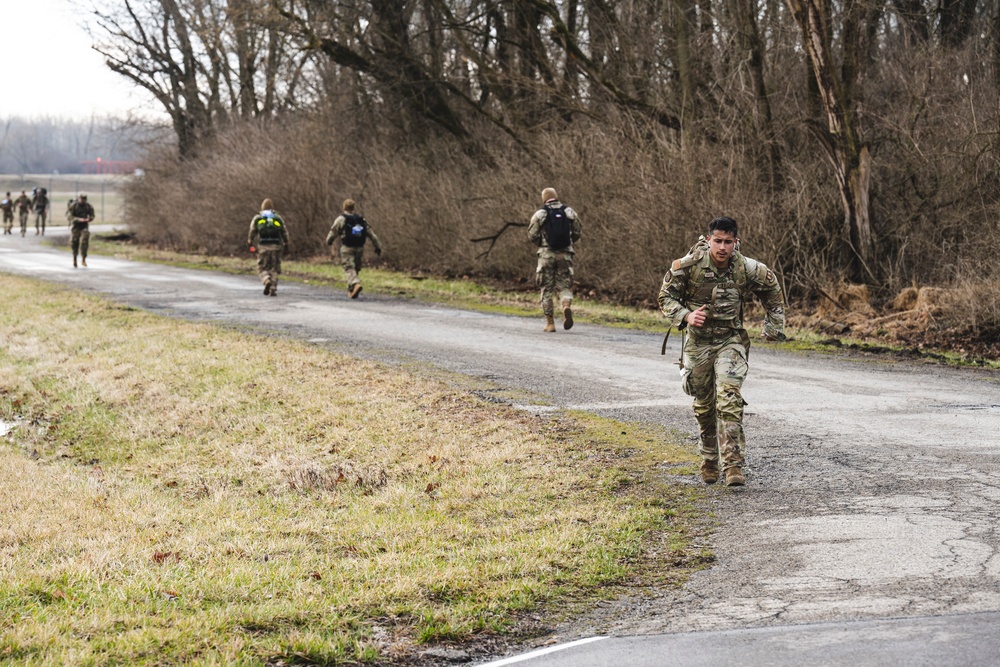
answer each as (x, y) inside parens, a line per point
(23, 204)
(554, 272)
(714, 355)
(81, 214)
(7, 205)
(350, 257)
(268, 251)
(40, 204)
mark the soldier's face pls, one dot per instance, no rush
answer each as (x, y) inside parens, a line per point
(721, 246)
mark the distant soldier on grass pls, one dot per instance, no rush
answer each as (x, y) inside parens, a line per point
(40, 205)
(268, 237)
(554, 228)
(352, 230)
(23, 204)
(7, 206)
(80, 214)
(704, 294)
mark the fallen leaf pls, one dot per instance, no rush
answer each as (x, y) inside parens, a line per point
(58, 594)
(170, 595)
(171, 484)
(161, 556)
(315, 575)
(430, 487)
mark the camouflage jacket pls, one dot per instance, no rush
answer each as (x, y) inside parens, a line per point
(23, 203)
(81, 213)
(40, 202)
(536, 228)
(694, 281)
(337, 232)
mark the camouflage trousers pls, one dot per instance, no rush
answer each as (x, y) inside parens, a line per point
(714, 371)
(350, 259)
(40, 220)
(555, 276)
(22, 217)
(79, 240)
(8, 221)
(269, 265)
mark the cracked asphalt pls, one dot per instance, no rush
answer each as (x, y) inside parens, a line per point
(873, 485)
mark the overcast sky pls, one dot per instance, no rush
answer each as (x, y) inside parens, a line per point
(49, 69)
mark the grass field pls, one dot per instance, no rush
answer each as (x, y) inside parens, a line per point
(176, 492)
(102, 193)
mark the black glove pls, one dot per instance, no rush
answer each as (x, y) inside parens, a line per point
(378, 251)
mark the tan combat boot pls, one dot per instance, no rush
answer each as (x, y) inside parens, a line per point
(709, 471)
(734, 477)
(550, 324)
(567, 315)
(355, 291)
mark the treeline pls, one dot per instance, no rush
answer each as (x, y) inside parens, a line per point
(854, 139)
(51, 144)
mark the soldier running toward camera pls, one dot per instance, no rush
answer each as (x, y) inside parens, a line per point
(40, 205)
(23, 204)
(80, 215)
(704, 294)
(7, 206)
(352, 230)
(554, 228)
(268, 238)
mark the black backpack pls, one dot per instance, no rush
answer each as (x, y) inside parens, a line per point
(355, 231)
(558, 228)
(269, 227)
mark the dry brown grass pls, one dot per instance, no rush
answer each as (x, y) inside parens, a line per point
(173, 493)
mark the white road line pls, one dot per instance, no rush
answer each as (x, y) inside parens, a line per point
(540, 652)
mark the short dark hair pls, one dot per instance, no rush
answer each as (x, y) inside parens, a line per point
(724, 225)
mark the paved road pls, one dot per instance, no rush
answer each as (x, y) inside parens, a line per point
(873, 487)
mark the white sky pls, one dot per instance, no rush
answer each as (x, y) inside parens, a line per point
(46, 38)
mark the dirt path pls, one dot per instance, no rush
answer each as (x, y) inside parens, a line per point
(874, 487)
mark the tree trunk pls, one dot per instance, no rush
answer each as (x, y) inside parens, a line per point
(849, 154)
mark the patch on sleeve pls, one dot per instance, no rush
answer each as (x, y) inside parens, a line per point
(676, 265)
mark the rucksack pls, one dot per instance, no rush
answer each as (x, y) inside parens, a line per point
(269, 227)
(558, 228)
(355, 230)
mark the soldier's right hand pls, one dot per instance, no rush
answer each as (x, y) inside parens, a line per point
(696, 318)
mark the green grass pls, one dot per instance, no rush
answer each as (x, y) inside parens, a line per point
(178, 492)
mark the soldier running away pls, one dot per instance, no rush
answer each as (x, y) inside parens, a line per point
(7, 206)
(268, 238)
(554, 228)
(40, 205)
(352, 230)
(80, 215)
(23, 204)
(704, 294)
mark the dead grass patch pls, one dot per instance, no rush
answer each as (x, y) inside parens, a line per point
(174, 492)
